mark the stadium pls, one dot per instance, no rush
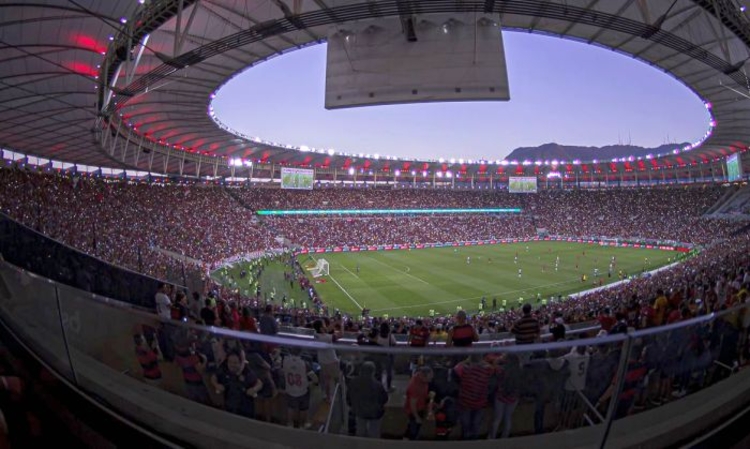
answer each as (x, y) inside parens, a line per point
(168, 281)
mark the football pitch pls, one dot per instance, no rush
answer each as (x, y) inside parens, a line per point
(414, 282)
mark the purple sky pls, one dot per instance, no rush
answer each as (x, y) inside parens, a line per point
(561, 91)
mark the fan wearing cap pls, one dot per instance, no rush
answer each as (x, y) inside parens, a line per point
(462, 334)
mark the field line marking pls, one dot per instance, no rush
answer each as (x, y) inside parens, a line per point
(343, 289)
(413, 306)
(399, 271)
(349, 271)
(345, 292)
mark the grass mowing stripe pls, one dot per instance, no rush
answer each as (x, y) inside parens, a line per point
(399, 271)
(450, 278)
(437, 278)
(342, 288)
(349, 271)
(345, 292)
(477, 297)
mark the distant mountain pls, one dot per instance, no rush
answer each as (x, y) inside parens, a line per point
(550, 151)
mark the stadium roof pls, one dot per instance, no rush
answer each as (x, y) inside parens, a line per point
(98, 82)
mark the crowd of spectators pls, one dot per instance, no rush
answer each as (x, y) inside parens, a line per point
(144, 226)
(661, 213)
(373, 198)
(134, 225)
(316, 232)
(489, 395)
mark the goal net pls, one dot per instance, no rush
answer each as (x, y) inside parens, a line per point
(320, 268)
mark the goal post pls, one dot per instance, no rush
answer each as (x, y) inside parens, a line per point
(321, 268)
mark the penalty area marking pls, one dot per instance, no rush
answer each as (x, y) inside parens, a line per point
(399, 271)
(349, 271)
(342, 289)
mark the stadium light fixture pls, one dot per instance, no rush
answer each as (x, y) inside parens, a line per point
(398, 172)
(351, 171)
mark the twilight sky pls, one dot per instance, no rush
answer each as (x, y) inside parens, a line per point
(561, 91)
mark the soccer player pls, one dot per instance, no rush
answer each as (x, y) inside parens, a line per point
(515, 259)
(520, 271)
(468, 260)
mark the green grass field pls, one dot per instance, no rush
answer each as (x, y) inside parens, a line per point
(413, 282)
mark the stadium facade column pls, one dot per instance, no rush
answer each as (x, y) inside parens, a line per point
(433, 179)
(700, 167)
(472, 180)
(723, 173)
(490, 180)
(335, 173)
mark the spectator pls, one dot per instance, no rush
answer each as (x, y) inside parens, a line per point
(462, 334)
(526, 329)
(239, 385)
(417, 400)
(368, 398)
